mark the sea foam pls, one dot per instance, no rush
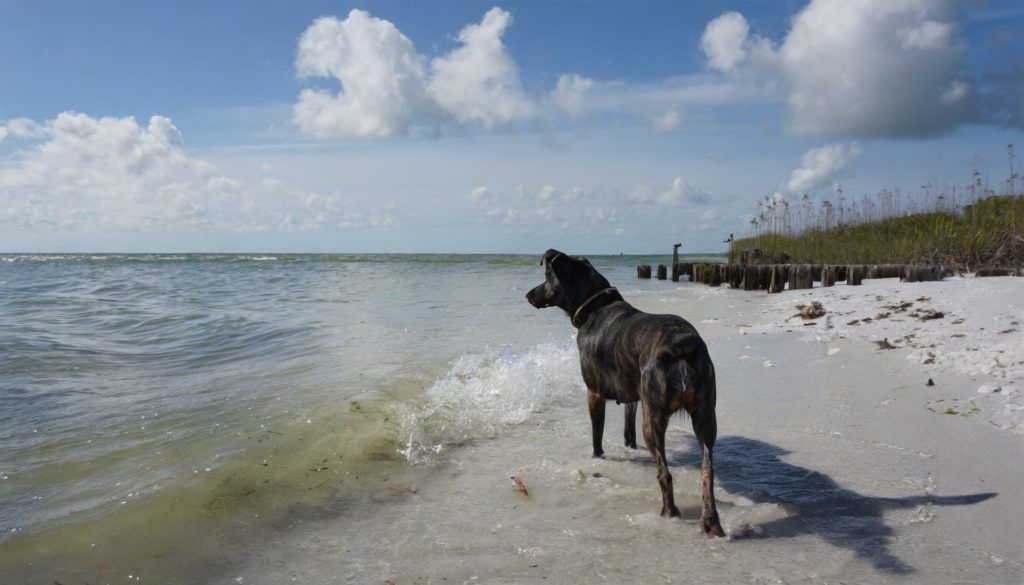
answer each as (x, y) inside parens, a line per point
(481, 392)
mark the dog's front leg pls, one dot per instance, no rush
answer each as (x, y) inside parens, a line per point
(596, 404)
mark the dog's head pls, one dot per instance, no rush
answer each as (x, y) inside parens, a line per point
(568, 282)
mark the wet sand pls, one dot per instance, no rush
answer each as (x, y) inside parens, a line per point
(834, 463)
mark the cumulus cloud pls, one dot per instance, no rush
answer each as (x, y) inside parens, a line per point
(570, 94)
(381, 75)
(21, 128)
(682, 193)
(479, 81)
(820, 166)
(387, 85)
(114, 174)
(724, 41)
(858, 69)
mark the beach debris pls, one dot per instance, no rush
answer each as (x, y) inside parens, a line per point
(953, 406)
(930, 382)
(402, 489)
(884, 344)
(990, 389)
(811, 311)
(900, 307)
(520, 484)
(927, 314)
(767, 363)
(388, 582)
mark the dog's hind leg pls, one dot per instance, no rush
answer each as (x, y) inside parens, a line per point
(630, 428)
(595, 402)
(654, 426)
(705, 426)
(652, 393)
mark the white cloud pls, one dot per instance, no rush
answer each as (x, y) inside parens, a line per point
(21, 128)
(570, 94)
(381, 74)
(870, 68)
(667, 121)
(112, 174)
(682, 193)
(480, 194)
(479, 81)
(724, 41)
(820, 166)
(386, 86)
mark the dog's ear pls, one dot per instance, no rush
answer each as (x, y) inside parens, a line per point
(549, 256)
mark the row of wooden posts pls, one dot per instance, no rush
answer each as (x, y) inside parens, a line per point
(774, 277)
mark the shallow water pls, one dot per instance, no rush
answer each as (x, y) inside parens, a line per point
(325, 419)
(193, 390)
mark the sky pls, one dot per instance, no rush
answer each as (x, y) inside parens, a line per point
(479, 127)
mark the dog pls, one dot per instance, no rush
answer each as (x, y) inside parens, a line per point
(630, 356)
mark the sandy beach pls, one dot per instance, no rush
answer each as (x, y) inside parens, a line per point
(841, 458)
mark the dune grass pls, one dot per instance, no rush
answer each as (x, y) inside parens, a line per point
(987, 233)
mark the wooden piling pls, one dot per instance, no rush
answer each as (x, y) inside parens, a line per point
(662, 272)
(828, 275)
(801, 276)
(922, 273)
(643, 271)
(855, 275)
(777, 283)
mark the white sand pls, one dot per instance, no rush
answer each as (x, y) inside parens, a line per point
(836, 462)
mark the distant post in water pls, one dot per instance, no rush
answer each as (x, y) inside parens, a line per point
(675, 261)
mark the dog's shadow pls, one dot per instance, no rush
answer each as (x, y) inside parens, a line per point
(815, 503)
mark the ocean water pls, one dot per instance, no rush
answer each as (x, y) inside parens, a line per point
(324, 419)
(157, 411)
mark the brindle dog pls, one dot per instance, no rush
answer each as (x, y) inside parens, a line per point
(630, 356)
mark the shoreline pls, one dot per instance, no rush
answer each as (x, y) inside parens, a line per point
(830, 467)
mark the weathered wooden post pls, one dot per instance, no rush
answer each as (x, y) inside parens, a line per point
(675, 261)
(855, 275)
(828, 275)
(643, 271)
(778, 280)
(801, 276)
(662, 272)
(750, 277)
(735, 275)
(923, 273)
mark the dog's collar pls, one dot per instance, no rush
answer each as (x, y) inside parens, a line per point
(593, 297)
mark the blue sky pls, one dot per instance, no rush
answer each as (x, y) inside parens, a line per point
(481, 127)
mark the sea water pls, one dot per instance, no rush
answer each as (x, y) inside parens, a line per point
(271, 419)
(156, 408)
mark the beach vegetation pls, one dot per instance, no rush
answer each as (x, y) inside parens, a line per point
(967, 227)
